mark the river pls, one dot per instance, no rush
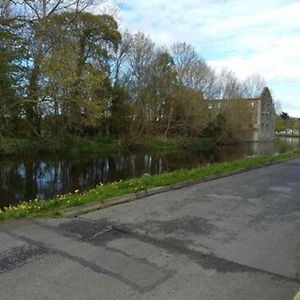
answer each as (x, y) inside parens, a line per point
(43, 177)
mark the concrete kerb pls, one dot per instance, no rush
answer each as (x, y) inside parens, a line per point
(158, 190)
(86, 208)
(141, 194)
(82, 209)
(89, 207)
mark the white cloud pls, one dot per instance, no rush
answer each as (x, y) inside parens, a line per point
(278, 61)
(245, 36)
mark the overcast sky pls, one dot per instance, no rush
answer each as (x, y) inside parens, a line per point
(256, 36)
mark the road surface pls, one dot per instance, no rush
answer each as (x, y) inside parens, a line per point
(232, 238)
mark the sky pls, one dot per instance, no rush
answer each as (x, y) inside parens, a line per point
(256, 36)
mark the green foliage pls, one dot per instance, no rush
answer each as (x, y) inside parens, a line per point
(216, 127)
(11, 56)
(284, 116)
(287, 124)
(83, 43)
(120, 113)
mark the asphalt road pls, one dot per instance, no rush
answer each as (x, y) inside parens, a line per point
(232, 238)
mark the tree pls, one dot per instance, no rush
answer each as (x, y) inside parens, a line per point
(119, 64)
(138, 60)
(191, 113)
(120, 113)
(284, 116)
(239, 121)
(228, 86)
(66, 71)
(233, 121)
(11, 57)
(253, 85)
(89, 41)
(36, 15)
(193, 71)
(216, 127)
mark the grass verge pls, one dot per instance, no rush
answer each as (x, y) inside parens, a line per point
(39, 208)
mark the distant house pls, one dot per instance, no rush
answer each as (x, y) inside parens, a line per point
(262, 125)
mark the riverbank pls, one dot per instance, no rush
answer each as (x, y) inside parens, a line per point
(10, 146)
(101, 193)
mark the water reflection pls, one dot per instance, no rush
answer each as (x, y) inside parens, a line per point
(45, 177)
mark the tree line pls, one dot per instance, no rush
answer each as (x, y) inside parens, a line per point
(68, 72)
(287, 125)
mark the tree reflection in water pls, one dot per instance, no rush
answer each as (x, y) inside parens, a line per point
(27, 178)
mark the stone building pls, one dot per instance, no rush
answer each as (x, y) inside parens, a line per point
(262, 125)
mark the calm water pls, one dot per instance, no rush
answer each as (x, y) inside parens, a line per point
(44, 177)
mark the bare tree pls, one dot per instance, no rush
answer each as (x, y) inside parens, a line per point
(193, 71)
(41, 9)
(185, 57)
(120, 60)
(5, 8)
(228, 85)
(253, 85)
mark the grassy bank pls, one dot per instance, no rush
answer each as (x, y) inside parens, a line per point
(9, 146)
(102, 192)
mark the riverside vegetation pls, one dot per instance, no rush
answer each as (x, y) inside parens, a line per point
(33, 146)
(53, 207)
(70, 75)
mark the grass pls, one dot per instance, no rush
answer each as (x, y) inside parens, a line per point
(39, 208)
(91, 146)
(33, 146)
(11, 146)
